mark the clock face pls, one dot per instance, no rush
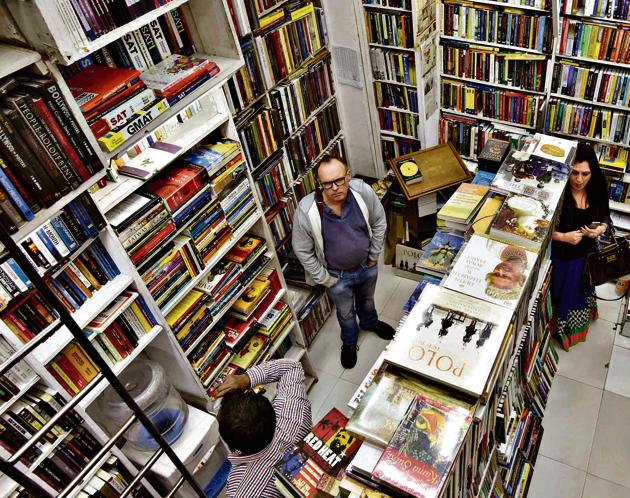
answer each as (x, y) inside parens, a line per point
(409, 168)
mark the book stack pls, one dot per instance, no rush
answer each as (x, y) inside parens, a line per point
(516, 69)
(273, 182)
(13, 282)
(415, 295)
(72, 368)
(389, 29)
(304, 185)
(74, 445)
(398, 146)
(79, 280)
(597, 9)
(304, 471)
(260, 135)
(28, 316)
(238, 204)
(275, 323)
(15, 379)
(190, 317)
(434, 259)
(210, 357)
(299, 97)
(594, 40)
(306, 145)
(251, 352)
(110, 480)
(222, 160)
(398, 122)
(118, 329)
(397, 4)
(393, 66)
(460, 209)
(254, 294)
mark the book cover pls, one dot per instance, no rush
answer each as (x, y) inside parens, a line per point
(463, 204)
(250, 352)
(451, 338)
(438, 255)
(415, 295)
(554, 149)
(418, 458)
(409, 171)
(382, 409)
(245, 247)
(538, 178)
(256, 292)
(492, 271)
(175, 69)
(486, 213)
(492, 154)
(522, 220)
(178, 185)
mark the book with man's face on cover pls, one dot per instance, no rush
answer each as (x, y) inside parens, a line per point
(492, 271)
(451, 338)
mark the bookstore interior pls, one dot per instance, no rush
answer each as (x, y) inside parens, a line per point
(155, 157)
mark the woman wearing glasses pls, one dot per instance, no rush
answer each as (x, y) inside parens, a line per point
(338, 234)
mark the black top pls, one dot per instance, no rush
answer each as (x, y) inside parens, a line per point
(572, 218)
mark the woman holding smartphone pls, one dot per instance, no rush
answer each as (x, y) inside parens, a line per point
(584, 217)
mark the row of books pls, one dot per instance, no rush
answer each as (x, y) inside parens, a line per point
(606, 42)
(118, 329)
(588, 122)
(291, 37)
(26, 417)
(398, 122)
(280, 220)
(313, 314)
(298, 98)
(519, 70)
(389, 29)
(43, 152)
(389, 95)
(393, 66)
(142, 47)
(13, 282)
(260, 135)
(609, 86)
(17, 378)
(91, 19)
(112, 479)
(306, 145)
(496, 25)
(469, 135)
(395, 146)
(273, 182)
(57, 240)
(79, 280)
(617, 189)
(599, 8)
(397, 4)
(474, 99)
(247, 84)
(29, 316)
(612, 156)
(72, 368)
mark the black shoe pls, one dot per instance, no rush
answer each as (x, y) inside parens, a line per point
(384, 330)
(349, 355)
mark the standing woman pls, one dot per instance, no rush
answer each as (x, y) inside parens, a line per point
(584, 217)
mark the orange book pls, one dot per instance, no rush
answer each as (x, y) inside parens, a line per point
(81, 362)
(95, 84)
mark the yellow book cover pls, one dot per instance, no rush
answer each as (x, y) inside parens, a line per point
(59, 371)
(463, 202)
(250, 352)
(83, 269)
(140, 316)
(304, 11)
(470, 99)
(251, 296)
(270, 18)
(81, 362)
(487, 211)
(183, 332)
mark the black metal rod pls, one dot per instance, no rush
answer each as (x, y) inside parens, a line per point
(53, 420)
(95, 356)
(145, 468)
(21, 353)
(23, 480)
(176, 487)
(92, 463)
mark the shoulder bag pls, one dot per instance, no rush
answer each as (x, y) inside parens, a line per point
(608, 263)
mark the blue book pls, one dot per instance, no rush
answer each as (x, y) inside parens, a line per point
(65, 294)
(49, 244)
(438, 255)
(72, 210)
(483, 178)
(18, 271)
(104, 259)
(15, 196)
(72, 288)
(64, 234)
(145, 309)
(85, 219)
(415, 295)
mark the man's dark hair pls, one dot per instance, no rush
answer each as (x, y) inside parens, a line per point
(247, 421)
(326, 158)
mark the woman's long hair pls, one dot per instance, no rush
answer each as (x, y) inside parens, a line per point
(596, 189)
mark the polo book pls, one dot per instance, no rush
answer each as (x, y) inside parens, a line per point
(420, 455)
(463, 204)
(492, 271)
(438, 254)
(451, 338)
(538, 178)
(522, 221)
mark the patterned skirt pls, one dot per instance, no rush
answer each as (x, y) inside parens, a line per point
(574, 301)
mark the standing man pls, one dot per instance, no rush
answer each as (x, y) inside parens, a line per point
(338, 234)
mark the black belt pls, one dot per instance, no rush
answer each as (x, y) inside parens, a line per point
(354, 268)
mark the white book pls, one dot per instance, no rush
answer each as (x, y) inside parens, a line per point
(72, 22)
(61, 248)
(79, 274)
(143, 48)
(241, 16)
(19, 283)
(21, 374)
(125, 110)
(133, 51)
(43, 249)
(264, 62)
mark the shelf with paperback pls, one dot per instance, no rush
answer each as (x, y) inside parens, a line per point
(494, 85)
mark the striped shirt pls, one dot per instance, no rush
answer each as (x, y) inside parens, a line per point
(252, 475)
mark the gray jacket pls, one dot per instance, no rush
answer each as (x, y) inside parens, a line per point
(308, 243)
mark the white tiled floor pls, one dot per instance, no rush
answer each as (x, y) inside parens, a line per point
(586, 448)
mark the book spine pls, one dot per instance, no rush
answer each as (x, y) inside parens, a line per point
(13, 194)
(125, 110)
(133, 52)
(149, 43)
(160, 40)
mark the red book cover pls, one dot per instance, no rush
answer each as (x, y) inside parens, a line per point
(177, 186)
(236, 331)
(95, 84)
(420, 454)
(122, 337)
(157, 239)
(60, 380)
(245, 247)
(210, 68)
(25, 334)
(116, 342)
(115, 100)
(73, 374)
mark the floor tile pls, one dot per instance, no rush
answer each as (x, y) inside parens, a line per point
(326, 349)
(586, 362)
(570, 420)
(385, 286)
(611, 445)
(622, 340)
(608, 310)
(321, 389)
(394, 307)
(600, 488)
(370, 348)
(553, 479)
(338, 398)
(618, 380)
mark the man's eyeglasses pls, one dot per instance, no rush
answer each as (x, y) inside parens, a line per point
(338, 182)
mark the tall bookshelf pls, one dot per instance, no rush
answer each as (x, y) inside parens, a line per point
(203, 116)
(588, 97)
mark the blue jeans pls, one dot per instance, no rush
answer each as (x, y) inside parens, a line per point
(354, 294)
